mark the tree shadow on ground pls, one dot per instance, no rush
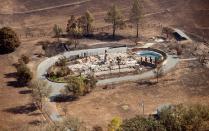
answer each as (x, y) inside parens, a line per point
(62, 98)
(106, 37)
(35, 114)
(14, 83)
(11, 75)
(102, 36)
(26, 109)
(35, 122)
(146, 82)
(25, 91)
(4, 52)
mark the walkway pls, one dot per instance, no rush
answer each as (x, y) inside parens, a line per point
(56, 87)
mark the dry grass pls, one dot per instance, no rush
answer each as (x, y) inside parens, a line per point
(101, 105)
(104, 104)
(195, 12)
(15, 109)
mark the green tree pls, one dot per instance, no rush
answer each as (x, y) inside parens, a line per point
(40, 91)
(62, 61)
(77, 32)
(115, 17)
(115, 124)
(72, 124)
(24, 75)
(90, 83)
(86, 22)
(89, 21)
(76, 86)
(9, 40)
(71, 23)
(185, 117)
(139, 123)
(73, 27)
(74, 43)
(24, 58)
(135, 15)
(57, 31)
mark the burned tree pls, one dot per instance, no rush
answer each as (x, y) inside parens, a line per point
(158, 72)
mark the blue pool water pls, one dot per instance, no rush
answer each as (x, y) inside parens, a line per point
(148, 54)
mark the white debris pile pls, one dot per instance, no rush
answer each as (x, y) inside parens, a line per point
(98, 63)
(159, 40)
(147, 45)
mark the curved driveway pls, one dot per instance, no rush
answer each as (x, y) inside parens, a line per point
(56, 87)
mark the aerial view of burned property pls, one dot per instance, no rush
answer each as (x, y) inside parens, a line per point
(104, 65)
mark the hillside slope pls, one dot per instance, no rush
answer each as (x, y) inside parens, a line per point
(191, 15)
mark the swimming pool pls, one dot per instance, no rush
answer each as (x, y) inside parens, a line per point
(148, 54)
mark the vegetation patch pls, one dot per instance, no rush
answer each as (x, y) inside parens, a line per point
(173, 118)
(59, 72)
(79, 86)
(9, 40)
